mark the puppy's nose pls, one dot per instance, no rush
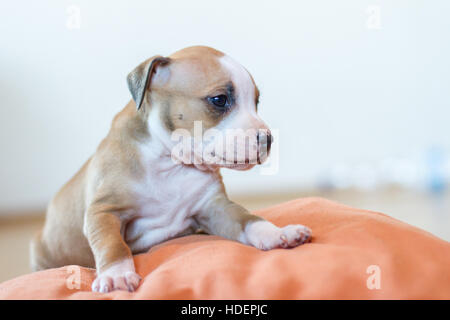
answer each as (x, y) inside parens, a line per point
(269, 141)
(266, 138)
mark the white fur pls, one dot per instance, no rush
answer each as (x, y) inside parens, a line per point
(245, 89)
(244, 115)
(169, 194)
(265, 235)
(119, 276)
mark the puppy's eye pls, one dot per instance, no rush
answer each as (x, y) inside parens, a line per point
(219, 101)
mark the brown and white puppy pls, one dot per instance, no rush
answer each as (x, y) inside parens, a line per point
(140, 188)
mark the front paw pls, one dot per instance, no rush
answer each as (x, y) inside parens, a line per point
(265, 236)
(119, 276)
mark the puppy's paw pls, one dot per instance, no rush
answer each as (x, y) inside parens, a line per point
(294, 235)
(119, 276)
(265, 236)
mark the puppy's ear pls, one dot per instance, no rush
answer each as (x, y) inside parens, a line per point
(141, 77)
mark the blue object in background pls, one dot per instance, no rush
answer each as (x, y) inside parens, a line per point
(435, 162)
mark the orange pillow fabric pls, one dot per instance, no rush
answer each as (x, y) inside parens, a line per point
(354, 254)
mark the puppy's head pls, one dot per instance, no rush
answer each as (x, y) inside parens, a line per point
(208, 100)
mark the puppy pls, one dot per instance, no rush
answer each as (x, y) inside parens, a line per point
(143, 186)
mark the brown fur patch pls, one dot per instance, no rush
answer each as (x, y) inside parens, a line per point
(199, 74)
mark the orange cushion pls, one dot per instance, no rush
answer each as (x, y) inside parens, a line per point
(413, 264)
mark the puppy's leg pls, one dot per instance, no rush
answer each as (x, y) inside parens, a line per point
(39, 256)
(225, 218)
(113, 258)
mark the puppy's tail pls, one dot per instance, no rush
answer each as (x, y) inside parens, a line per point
(39, 255)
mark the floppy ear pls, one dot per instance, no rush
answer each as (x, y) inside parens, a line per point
(140, 78)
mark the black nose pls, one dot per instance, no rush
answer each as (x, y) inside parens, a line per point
(265, 138)
(269, 141)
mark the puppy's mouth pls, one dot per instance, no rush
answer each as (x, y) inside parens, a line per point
(233, 162)
(237, 164)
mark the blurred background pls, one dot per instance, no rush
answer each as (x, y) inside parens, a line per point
(358, 92)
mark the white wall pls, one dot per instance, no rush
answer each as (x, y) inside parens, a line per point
(338, 91)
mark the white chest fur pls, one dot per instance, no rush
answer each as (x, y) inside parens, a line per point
(167, 199)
